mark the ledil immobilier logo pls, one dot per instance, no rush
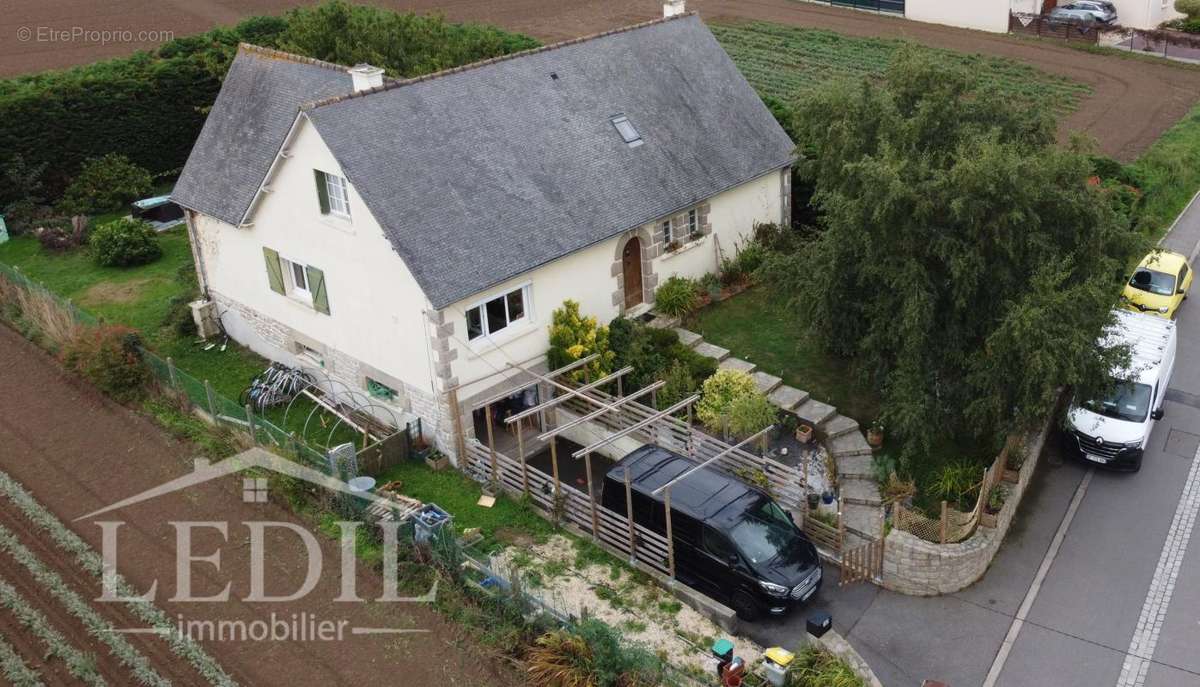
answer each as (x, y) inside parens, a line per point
(273, 626)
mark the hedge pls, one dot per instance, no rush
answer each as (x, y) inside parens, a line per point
(150, 106)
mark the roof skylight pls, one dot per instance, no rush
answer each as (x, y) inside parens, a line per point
(628, 133)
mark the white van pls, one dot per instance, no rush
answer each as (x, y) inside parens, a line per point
(1116, 430)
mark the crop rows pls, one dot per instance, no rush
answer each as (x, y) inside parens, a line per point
(13, 669)
(80, 665)
(96, 625)
(93, 563)
(784, 62)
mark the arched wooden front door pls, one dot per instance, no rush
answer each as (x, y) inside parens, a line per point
(631, 267)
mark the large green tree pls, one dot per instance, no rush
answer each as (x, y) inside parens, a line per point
(963, 260)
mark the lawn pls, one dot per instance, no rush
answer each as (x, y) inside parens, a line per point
(754, 327)
(140, 297)
(783, 62)
(457, 493)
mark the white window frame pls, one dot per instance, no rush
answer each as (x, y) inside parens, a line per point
(481, 306)
(338, 191)
(693, 223)
(667, 230)
(290, 286)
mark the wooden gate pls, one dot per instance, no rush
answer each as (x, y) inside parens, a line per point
(862, 563)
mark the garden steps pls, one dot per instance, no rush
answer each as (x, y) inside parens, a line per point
(862, 521)
(688, 338)
(766, 382)
(837, 426)
(860, 492)
(852, 444)
(737, 364)
(856, 467)
(708, 350)
(814, 412)
(787, 397)
(663, 322)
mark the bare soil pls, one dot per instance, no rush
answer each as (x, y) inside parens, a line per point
(1132, 102)
(114, 292)
(77, 452)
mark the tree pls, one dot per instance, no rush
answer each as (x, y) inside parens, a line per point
(1189, 7)
(572, 337)
(105, 184)
(963, 261)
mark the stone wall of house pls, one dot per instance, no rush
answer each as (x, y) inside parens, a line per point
(914, 566)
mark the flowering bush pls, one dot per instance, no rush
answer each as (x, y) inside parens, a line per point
(573, 336)
(730, 402)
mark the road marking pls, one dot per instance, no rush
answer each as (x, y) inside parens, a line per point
(1162, 585)
(1019, 620)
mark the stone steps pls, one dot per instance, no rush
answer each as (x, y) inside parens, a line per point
(737, 364)
(688, 338)
(852, 444)
(708, 350)
(838, 425)
(814, 412)
(766, 383)
(862, 521)
(663, 322)
(860, 492)
(855, 467)
(787, 397)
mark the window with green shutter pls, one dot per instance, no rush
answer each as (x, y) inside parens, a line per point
(297, 280)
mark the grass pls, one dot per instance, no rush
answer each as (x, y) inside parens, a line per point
(783, 62)
(141, 297)
(457, 494)
(1170, 174)
(753, 327)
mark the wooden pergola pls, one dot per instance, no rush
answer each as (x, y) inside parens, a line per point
(600, 408)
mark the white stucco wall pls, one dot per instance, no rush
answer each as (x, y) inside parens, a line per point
(587, 276)
(985, 15)
(375, 305)
(1144, 14)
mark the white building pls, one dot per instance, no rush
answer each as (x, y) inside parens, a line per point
(414, 236)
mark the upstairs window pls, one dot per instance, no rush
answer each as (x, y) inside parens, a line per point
(333, 193)
(497, 314)
(628, 133)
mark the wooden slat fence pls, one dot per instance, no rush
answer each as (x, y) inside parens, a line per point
(862, 563)
(574, 507)
(1040, 25)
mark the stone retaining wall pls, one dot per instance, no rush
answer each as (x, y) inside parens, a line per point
(914, 566)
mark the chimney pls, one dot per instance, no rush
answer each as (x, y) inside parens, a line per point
(672, 8)
(366, 77)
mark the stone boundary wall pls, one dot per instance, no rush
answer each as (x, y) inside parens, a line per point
(914, 566)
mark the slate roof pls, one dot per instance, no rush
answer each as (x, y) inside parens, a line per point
(484, 172)
(262, 92)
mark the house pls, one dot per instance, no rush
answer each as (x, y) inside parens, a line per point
(413, 237)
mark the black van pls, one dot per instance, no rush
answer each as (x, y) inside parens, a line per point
(732, 541)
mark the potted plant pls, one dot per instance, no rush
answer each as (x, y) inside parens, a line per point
(804, 433)
(995, 502)
(875, 434)
(1012, 466)
(673, 246)
(437, 461)
(814, 500)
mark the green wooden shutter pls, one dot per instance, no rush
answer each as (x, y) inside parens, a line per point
(322, 191)
(316, 286)
(274, 271)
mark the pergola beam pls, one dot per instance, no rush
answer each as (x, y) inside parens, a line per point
(640, 425)
(521, 368)
(597, 413)
(577, 392)
(715, 458)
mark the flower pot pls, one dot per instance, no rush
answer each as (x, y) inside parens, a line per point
(804, 434)
(814, 499)
(827, 497)
(875, 438)
(439, 462)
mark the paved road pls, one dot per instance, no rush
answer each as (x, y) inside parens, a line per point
(1125, 570)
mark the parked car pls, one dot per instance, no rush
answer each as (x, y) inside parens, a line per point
(732, 541)
(1084, 12)
(1114, 431)
(1159, 284)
